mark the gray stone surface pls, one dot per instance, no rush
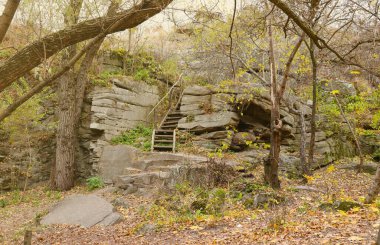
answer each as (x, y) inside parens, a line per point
(130, 169)
(114, 159)
(122, 106)
(212, 121)
(197, 90)
(84, 210)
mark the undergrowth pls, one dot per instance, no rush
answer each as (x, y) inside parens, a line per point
(139, 137)
(218, 195)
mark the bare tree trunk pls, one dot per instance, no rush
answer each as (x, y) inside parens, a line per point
(271, 163)
(66, 131)
(304, 165)
(7, 17)
(352, 130)
(314, 107)
(71, 94)
(378, 238)
(374, 191)
(65, 151)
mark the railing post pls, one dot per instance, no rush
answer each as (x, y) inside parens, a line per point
(174, 139)
(153, 136)
(154, 119)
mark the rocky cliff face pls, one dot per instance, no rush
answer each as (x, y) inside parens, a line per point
(109, 111)
(235, 114)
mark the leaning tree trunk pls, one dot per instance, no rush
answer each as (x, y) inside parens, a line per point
(271, 163)
(35, 53)
(352, 130)
(374, 191)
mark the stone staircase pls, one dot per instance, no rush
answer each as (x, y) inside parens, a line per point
(164, 138)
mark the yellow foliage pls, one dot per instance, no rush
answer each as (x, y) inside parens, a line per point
(355, 72)
(330, 169)
(309, 178)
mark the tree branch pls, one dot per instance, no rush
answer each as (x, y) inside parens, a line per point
(34, 54)
(288, 66)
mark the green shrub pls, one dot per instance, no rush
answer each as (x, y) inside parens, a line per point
(3, 203)
(139, 137)
(103, 79)
(376, 155)
(142, 75)
(94, 183)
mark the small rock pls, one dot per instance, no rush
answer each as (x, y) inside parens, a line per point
(346, 205)
(369, 167)
(120, 202)
(339, 205)
(130, 189)
(308, 188)
(123, 182)
(265, 198)
(147, 228)
(108, 189)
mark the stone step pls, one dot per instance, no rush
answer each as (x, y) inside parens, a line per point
(129, 171)
(169, 168)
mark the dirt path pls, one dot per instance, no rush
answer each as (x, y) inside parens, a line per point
(298, 220)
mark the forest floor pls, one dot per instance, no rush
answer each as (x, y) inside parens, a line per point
(298, 219)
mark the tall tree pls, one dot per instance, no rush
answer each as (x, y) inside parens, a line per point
(271, 163)
(313, 10)
(66, 133)
(71, 94)
(277, 94)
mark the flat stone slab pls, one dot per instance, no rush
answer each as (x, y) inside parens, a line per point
(83, 210)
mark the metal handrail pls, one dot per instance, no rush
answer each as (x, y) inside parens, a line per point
(170, 90)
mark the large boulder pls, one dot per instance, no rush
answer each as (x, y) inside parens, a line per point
(83, 210)
(114, 159)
